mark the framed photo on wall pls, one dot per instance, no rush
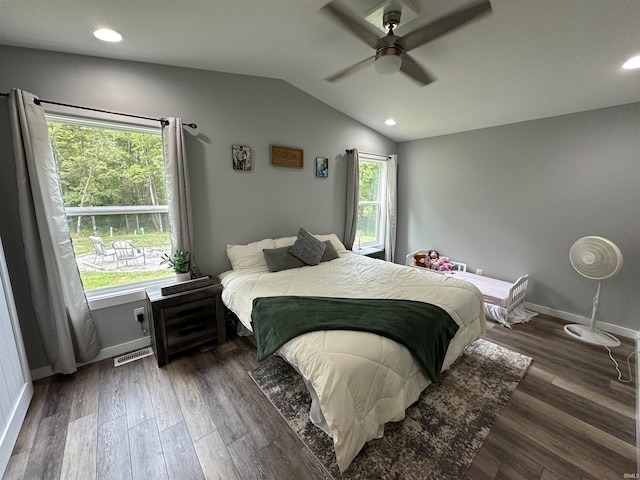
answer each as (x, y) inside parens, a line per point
(241, 157)
(322, 167)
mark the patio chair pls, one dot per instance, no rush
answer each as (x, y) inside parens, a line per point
(125, 252)
(100, 249)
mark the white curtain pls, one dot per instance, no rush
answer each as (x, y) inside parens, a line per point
(353, 197)
(391, 204)
(59, 302)
(178, 189)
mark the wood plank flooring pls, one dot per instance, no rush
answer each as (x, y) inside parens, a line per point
(202, 416)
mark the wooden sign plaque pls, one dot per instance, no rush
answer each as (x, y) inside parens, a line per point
(286, 157)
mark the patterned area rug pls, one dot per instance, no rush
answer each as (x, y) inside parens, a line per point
(442, 431)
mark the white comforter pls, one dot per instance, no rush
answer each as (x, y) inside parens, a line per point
(361, 380)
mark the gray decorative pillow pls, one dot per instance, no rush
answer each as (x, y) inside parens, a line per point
(280, 259)
(308, 248)
(330, 253)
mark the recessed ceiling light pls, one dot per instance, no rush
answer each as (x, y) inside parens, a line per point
(632, 63)
(107, 35)
(390, 122)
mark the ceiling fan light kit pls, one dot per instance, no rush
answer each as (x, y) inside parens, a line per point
(596, 258)
(388, 61)
(391, 50)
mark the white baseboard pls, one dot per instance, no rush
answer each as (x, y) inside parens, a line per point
(108, 352)
(573, 318)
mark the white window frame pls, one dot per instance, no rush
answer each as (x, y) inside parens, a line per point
(381, 217)
(115, 295)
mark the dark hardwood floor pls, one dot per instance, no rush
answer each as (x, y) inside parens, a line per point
(202, 416)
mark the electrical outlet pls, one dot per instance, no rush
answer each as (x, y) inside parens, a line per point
(138, 314)
(478, 271)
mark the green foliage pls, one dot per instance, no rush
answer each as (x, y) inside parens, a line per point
(369, 180)
(369, 192)
(367, 222)
(102, 167)
(179, 261)
(93, 280)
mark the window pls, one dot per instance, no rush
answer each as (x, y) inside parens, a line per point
(112, 179)
(371, 205)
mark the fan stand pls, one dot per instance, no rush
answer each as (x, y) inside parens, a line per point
(591, 334)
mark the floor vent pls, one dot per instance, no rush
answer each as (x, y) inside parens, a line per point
(133, 356)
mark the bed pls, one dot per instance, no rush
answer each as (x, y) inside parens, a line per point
(504, 301)
(358, 381)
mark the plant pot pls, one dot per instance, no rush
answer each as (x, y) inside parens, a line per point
(183, 277)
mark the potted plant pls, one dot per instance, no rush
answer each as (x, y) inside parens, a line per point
(179, 262)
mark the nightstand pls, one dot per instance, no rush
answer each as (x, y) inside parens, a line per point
(369, 252)
(184, 320)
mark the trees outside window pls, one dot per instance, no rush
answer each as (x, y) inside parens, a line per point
(112, 180)
(371, 205)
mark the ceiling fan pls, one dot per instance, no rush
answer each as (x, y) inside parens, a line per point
(392, 50)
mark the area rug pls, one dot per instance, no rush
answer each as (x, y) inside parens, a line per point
(441, 433)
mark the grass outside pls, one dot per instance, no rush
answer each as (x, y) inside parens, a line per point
(93, 280)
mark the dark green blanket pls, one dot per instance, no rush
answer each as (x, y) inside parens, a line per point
(424, 329)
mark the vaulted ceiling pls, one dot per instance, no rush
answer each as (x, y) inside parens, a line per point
(528, 59)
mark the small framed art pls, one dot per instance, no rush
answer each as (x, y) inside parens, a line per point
(322, 167)
(241, 157)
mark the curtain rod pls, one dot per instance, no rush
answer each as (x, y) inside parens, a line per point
(161, 120)
(370, 154)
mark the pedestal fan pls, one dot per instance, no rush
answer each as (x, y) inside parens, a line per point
(596, 258)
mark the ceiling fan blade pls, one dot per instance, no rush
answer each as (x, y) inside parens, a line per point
(411, 68)
(352, 69)
(360, 31)
(443, 25)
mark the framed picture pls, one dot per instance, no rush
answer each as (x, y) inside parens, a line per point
(286, 157)
(241, 157)
(322, 167)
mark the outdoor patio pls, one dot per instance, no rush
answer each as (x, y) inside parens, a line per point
(152, 261)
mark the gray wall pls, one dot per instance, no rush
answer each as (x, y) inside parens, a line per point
(229, 206)
(513, 199)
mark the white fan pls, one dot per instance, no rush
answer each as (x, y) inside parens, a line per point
(596, 258)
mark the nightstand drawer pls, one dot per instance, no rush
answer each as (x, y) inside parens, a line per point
(189, 312)
(184, 320)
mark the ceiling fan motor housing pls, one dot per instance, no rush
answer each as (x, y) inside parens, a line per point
(391, 19)
(388, 54)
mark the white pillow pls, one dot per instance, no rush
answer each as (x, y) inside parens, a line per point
(285, 241)
(243, 257)
(335, 241)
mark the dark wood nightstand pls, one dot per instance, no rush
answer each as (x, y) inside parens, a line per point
(184, 320)
(370, 252)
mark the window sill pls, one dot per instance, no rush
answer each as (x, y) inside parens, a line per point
(108, 297)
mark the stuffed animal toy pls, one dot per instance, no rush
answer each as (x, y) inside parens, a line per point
(444, 265)
(433, 256)
(420, 259)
